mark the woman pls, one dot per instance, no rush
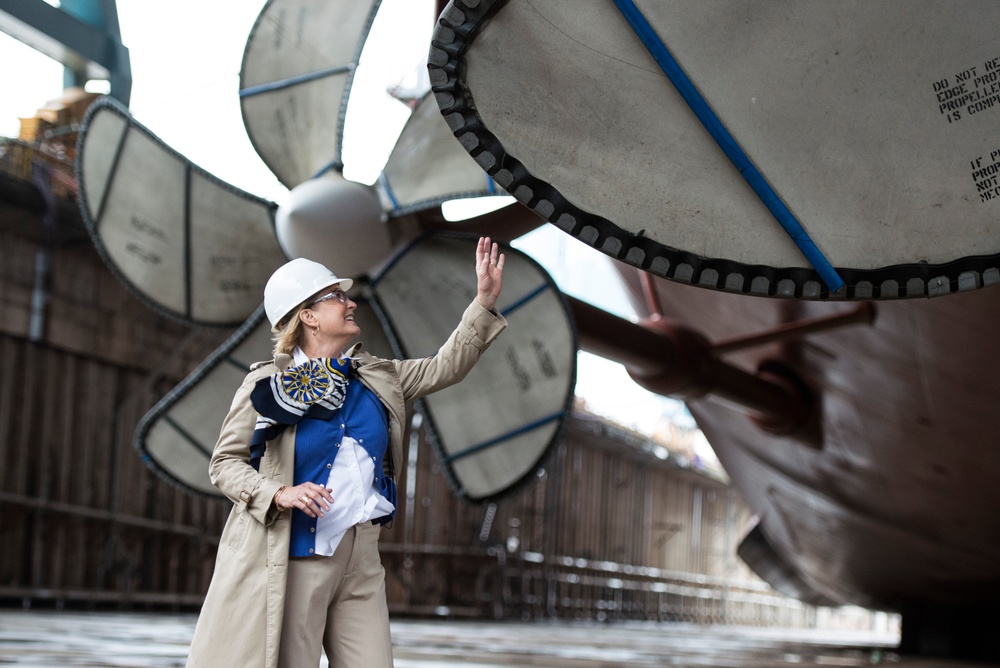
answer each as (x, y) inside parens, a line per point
(308, 454)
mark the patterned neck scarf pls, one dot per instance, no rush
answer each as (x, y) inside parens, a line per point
(316, 389)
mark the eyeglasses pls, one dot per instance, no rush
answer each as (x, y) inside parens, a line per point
(339, 295)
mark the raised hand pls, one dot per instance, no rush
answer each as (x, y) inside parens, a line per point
(489, 273)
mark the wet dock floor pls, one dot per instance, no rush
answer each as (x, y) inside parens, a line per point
(140, 640)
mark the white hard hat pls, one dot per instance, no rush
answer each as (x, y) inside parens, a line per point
(294, 282)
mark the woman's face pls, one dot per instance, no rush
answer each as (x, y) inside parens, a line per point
(334, 311)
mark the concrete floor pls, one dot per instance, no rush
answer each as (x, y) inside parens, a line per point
(140, 640)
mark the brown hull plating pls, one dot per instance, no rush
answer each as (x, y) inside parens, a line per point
(893, 499)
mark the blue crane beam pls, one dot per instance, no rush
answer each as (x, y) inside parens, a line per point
(88, 43)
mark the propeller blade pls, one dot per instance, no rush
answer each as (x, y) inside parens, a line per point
(298, 68)
(188, 244)
(492, 430)
(177, 435)
(427, 166)
(872, 123)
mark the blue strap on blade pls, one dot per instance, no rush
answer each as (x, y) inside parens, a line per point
(728, 144)
(493, 442)
(296, 80)
(384, 182)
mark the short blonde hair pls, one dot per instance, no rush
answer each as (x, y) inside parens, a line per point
(288, 333)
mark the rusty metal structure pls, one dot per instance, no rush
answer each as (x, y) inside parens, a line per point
(614, 528)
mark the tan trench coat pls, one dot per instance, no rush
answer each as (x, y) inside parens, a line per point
(240, 621)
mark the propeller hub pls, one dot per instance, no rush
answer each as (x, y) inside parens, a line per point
(336, 222)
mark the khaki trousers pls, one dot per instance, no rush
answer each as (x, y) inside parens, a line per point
(338, 603)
